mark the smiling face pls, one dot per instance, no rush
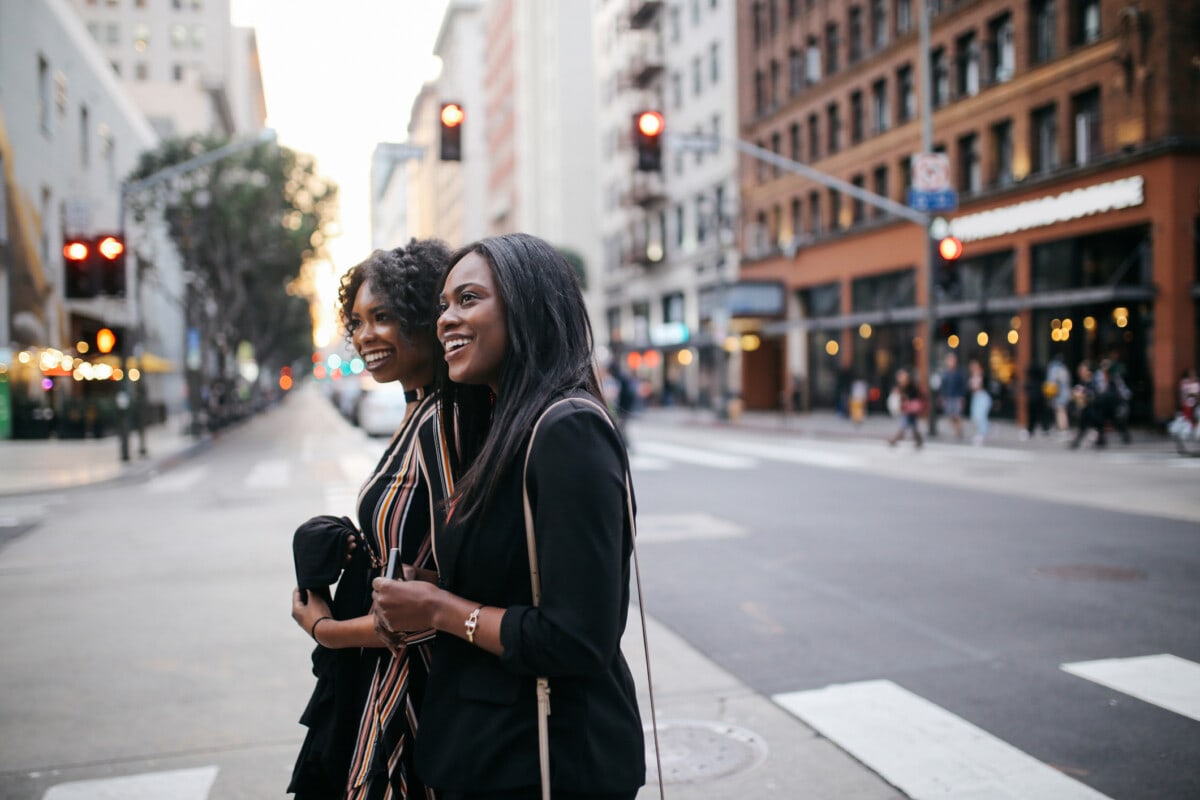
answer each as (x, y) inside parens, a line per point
(472, 326)
(376, 335)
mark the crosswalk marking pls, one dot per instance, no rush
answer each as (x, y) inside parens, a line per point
(638, 462)
(686, 527)
(342, 501)
(272, 473)
(1165, 680)
(924, 750)
(180, 784)
(799, 454)
(705, 458)
(179, 480)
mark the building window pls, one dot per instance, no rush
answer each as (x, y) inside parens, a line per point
(879, 32)
(815, 224)
(856, 35)
(94, 30)
(1002, 150)
(760, 92)
(1044, 130)
(881, 115)
(777, 149)
(85, 137)
(906, 94)
(179, 36)
(906, 173)
(813, 61)
(141, 37)
(112, 33)
(696, 12)
(677, 90)
(108, 151)
(680, 225)
(833, 43)
(857, 125)
(880, 187)
(1002, 55)
(701, 219)
(673, 24)
(43, 95)
(814, 137)
(1085, 21)
(177, 73)
(858, 213)
(970, 178)
(967, 48)
(797, 151)
(197, 37)
(835, 211)
(795, 71)
(793, 9)
(941, 77)
(116, 67)
(1043, 29)
(903, 17)
(714, 62)
(762, 165)
(797, 218)
(773, 89)
(834, 123)
(141, 71)
(698, 79)
(1085, 110)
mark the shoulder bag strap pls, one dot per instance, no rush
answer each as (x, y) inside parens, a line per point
(543, 684)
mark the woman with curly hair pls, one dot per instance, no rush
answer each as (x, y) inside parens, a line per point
(363, 714)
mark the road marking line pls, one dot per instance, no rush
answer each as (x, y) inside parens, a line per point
(799, 454)
(924, 750)
(1164, 680)
(182, 784)
(640, 462)
(686, 527)
(177, 480)
(271, 474)
(342, 501)
(704, 458)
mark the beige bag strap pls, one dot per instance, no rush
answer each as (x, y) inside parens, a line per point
(543, 684)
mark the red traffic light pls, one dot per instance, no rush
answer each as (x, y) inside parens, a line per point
(452, 115)
(75, 251)
(950, 248)
(106, 340)
(650, 123)
(111, 247)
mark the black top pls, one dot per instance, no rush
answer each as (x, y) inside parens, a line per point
(479, 717)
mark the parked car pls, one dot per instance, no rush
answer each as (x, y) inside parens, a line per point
(381, 408)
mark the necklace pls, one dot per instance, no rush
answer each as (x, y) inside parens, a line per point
(420, 393)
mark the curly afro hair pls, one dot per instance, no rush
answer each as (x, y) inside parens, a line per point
(409, 277)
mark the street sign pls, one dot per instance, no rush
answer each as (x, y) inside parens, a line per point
(402, 152)
(945, 200)
(693, 142)
(931, 172)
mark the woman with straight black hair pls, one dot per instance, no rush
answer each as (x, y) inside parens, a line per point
(517, 341)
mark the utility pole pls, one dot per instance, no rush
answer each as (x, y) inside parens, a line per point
(128, 190)
(930, 279)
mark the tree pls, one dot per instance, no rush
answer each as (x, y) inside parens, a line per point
(246, 226)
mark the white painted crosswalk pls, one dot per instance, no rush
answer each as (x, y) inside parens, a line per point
(180, 784)
(930, 753)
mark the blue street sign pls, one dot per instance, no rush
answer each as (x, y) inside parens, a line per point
(944, 200)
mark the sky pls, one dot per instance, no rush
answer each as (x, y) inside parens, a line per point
(339, 78)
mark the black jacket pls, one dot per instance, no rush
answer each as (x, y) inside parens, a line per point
(479, 717)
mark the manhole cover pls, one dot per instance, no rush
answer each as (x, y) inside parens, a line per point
(1091, 572)
(695, 750)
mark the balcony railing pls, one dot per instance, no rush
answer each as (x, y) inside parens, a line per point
(643, 13)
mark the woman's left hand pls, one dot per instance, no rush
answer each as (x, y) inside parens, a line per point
(306, 614)
(403, 605)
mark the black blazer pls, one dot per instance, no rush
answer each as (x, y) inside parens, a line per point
(478, 728)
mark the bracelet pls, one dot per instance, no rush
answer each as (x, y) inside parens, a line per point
(471, 624)
(313, 630)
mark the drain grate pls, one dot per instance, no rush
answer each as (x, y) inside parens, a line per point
(694, 750)
(1091, 572)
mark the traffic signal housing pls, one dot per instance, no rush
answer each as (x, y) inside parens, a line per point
(647, 140)
(948, 250)
(107, 340)
(94, 265)
(451, 120)
(110, 258)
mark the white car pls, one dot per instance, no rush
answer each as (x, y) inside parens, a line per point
(381, 408)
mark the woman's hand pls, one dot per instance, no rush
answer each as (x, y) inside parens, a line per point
(404, 605)
(306, 614)
(351, 546)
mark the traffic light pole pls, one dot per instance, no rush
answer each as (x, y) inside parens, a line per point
(932, 381)
(128, 190)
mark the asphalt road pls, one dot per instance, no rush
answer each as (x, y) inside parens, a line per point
(146, 627)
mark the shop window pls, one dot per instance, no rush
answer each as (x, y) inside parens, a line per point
(1002, 152)
(1112, 258)
(1044, 130)
(1085, 21)
(907, 106)
(857, 123)
(1002, 52)
(1085, 110)
(880, 113)
(1043, 30)
(983, 277)
(885, 292)
(967, 55)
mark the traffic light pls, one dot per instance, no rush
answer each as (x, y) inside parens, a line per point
(647, 140)
(110, 258)
(451, 122)
(107, 340)
(80, 277)
(948, 251)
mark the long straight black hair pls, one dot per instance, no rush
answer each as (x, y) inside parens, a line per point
(549, 354)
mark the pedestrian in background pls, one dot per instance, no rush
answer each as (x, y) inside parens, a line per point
(1089, 403)
(363, 713)
(953, 390)
(517, 340)
(1057, 390)
(981, 400)
(911, 402)
(1036, 412)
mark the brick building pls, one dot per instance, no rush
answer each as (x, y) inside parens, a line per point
(1073, 136)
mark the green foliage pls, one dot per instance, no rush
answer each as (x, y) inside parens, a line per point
(575, 260)
(245, 226)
